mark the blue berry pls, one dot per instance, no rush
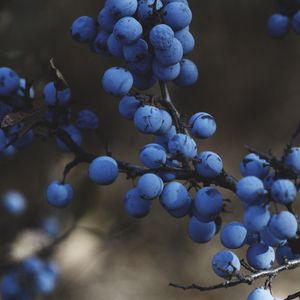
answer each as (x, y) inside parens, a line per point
(250, 189)
(260, 294)
(117, 81)
(136, 206)
(292, 160)
(209, 164)
(201, 232)
(225, 264)
(165, 73)
(260, 256)
(208, 204)
(186, 39)
(148, 119)
(3, 140)
(166, 123)
(128, 107)
(256, 218)
(278, 26)
(99, 44)
(122, 8)
(253, 165)
(269, 239)
(106, 20)
(59, 195)
(285, 253)
(22, 89)
(182, 144)
(233, 235)
(84, 29)
(14, 203)
(114, 46)
(150, 186)
(136, 51)
(103, 170)
(203, 125)
(161, 36)
(283, 191)
(171, 55)
(9, 81)
(128, 30)
(153, 156)
(177, 15)
(284, 225)
(188, 74)
(51, 226)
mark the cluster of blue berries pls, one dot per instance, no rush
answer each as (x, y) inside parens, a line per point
(152, 36)
(31, 278)
(265, 225)
(287, 17)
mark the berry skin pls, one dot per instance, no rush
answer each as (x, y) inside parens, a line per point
(278, 26)
(136, 206)
(99, 44)
(136, 51)
(145, 8)
(188, 74)
(148, 119)
(166, 123)
(165, 73)
(87, 119)
(225, 264)
(181, 144)
(50, 94)
(84, 29)
(117, 81)
(51, 226)
(74, 134)
(128, 30)
(161, 36)
(114, 46)
(186, 39)
(150, 186)
(9, 81)
(292, 160)
(174, 196)
(209, 164)
(106, 20)
(233, 235)
(253, 165)
(283, 191)
(201, 232)
(14, 203)
(260, 294)
(260, 256)
(128, 107)
(256, 218)
(208, 204)
(296, 22)
(103, 170)
(177, 15)
(284, 225)
(170, 56)
(203, 125)
(250, 189)
(122, 8)
(59, 195)
(153, 156)
(269, 239)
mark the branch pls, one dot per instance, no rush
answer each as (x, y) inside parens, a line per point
(248, 279)
(293, 296)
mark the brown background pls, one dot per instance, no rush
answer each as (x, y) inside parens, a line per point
(248, 81)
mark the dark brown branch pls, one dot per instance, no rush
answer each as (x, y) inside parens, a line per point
(293, 296)
(247, 279)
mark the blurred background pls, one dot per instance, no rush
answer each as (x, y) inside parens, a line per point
(248, 82)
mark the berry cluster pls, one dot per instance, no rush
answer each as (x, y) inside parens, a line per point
(152, 36)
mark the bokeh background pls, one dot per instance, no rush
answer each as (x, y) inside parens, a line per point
(248, 82)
